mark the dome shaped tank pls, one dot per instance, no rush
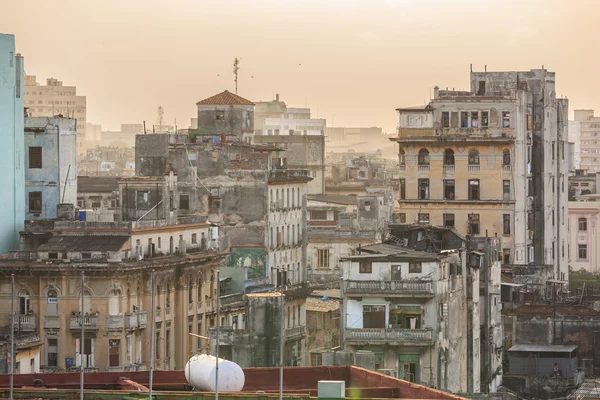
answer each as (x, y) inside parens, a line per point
(200, 372)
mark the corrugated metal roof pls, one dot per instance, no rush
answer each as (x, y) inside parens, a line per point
(543, 348)
(226, 98)
(85, 243)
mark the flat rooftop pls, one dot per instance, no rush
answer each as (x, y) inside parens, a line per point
(261, 383)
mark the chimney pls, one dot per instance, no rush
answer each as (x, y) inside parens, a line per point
(436, 92)
(277, 97)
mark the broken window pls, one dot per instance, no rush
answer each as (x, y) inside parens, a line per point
(485, 119)
(506, 256)
(481, 89)
(35, 202)
(448, 157)
(424, 218)
(449, 220)
(415, 268)
(449, 189)
(423, 189)
(142, 200)
(506, 223)
(445, 119)
(506, 119)
(184, 202)
(474, 119)
(365, 267)
(474, 224)
(373, 317)
(322, 258)
(35, 157)
(52, 352)
(506, 190)
(473, 157)
(423, 157)
(506, 157)
(219, 115)
(214, 204)
(474, 189)
(464, 119)
(318, 214)
(582, 224)
(403, 189)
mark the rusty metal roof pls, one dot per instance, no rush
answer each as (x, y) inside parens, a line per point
(85, 243)
(225, 98)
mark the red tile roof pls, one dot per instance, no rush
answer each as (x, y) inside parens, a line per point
(226, 98)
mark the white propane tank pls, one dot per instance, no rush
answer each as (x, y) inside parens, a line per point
(200, 372)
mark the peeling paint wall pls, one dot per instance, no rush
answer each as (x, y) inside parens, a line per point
(57, 177)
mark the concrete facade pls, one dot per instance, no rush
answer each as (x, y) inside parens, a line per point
(50, 165)
(584, 235)
(409, 309)
(586, 132)
(12, 180)
(55, 99)
(492, 161)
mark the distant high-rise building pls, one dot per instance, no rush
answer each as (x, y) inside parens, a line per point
(12, 179)
(56, 99)
(586, 139)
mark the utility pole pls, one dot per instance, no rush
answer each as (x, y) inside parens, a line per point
(12, 335)
(152, 327)
(281, 345)
(236, 68)
(218, 330)
(81, 346)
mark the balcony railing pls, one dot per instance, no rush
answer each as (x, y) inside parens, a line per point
(473, 168)
(397, 288)
(424, 168)
(51, 322)
(389, 335)
(322, 223)
(295, 332)
(26, 322)
(114, 322)
(449, 169)
(232, 298)
(90, 322)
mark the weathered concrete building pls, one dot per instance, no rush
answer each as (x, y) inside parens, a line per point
(339, 225)
(12, 179)
(300, 138)
(583, 183)
(586, 129)
(492, 161)
(98, 193)
(584, 235)
(409, 308)
(322, 324)
(51, 165)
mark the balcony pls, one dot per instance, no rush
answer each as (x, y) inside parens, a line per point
(457, 133)
(90, 322)
(449, 169)
(474, 168)
(114, 322)
(295, 333)
(26, 322)
(417, 337)
(199, 307)
(423, 168)
(405, 288)
(51, 322)
(322, 223)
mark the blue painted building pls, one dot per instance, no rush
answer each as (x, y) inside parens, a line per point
(50, 165)
(12, 175)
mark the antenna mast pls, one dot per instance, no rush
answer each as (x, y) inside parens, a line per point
(160, 119)
(236, 68)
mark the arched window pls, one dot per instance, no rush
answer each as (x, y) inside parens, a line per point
(24, 302)
(402, 157)
(448, 157)
(423, 157)
(473, 157)
(114, 303)
(190, 291)
(506, 157)
(168, 296)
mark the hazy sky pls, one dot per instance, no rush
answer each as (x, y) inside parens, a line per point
(352, 62)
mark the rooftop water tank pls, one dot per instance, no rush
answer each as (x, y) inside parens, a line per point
(200, 372)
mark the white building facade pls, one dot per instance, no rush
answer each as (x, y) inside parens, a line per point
(584, 235)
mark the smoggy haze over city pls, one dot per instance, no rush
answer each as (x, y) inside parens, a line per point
(352, 62)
